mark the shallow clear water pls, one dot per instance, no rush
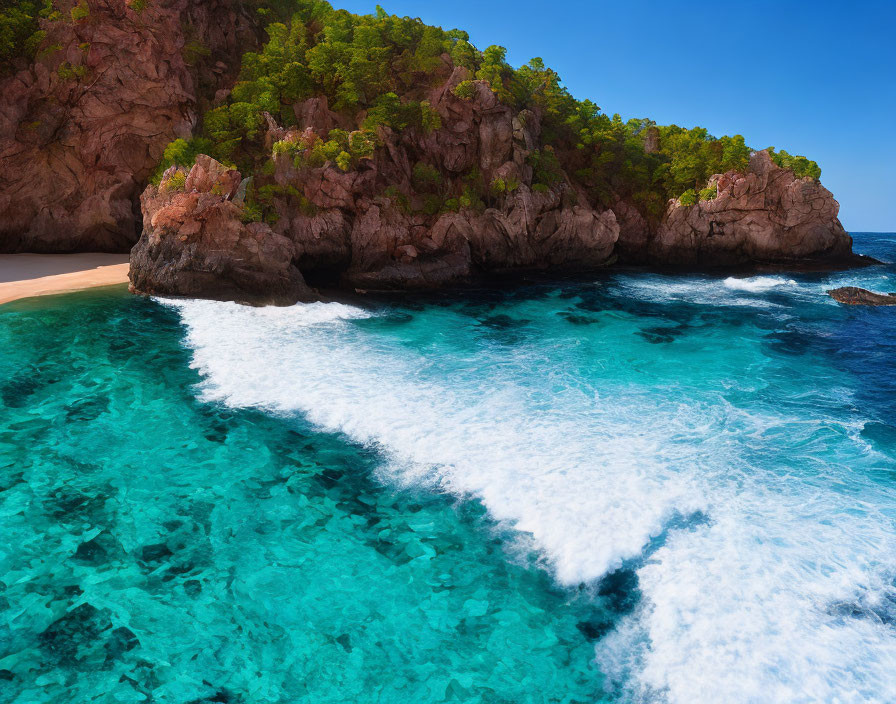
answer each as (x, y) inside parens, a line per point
(629, 488)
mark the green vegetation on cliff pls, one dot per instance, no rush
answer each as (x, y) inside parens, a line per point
(800, 165)
(377, 70)
(20, 34)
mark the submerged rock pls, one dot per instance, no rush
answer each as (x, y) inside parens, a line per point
(194, 243)
(854, 296)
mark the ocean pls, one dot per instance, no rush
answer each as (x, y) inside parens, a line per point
(630, 487)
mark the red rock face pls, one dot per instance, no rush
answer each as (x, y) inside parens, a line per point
(367, 239)
(75, 151)
(195, 244)
(764, 215)
(366, 227)
(82, 130)
(348, 231)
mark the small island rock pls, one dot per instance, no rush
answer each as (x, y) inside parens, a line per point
(854, 296)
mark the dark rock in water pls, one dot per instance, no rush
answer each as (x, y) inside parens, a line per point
(222, 696)
(576, 319)
(122, 640)
(596, 628)
(86, 409)
(71, 506)
(15, 393)
(91, 552)
(790, 342)
(503, 322)
(620, 590)
(155, 553)
(194, 243)
(661, 334)
(72, 636)
(854, 296)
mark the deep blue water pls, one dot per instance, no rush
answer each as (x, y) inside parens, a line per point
(634, 487)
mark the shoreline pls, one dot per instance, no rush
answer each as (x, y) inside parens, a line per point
(31, 275)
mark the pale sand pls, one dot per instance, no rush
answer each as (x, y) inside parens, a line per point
(25, 275)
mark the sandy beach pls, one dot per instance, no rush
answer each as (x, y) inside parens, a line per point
(26, 275)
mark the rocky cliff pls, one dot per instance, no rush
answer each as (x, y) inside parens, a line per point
(82, 129)
(195, 244)
(366, 226)
(764, 215)
(488, 175)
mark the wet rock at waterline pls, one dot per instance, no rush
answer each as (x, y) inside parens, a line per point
(854, 296)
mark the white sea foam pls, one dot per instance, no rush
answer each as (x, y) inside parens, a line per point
(777, 597)
(538, 468)
(729, 292)
(287, 318)
(747, 292)
(757, 284)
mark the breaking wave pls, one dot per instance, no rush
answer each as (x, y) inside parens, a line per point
(762, 540)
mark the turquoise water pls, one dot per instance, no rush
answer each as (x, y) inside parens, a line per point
(633, 487)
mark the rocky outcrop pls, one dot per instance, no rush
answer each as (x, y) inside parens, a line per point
(195, 244)
(366, 226)
(371, 223)
(854, 296)
(392, 249)
(763, 215)
(369, 226)
(82, 129)
(635, 233)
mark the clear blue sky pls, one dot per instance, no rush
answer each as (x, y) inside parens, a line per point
(814, 77)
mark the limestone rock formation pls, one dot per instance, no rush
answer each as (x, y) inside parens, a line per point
(854, 296)
(763, 215)
(82, 129)
(195, 244)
